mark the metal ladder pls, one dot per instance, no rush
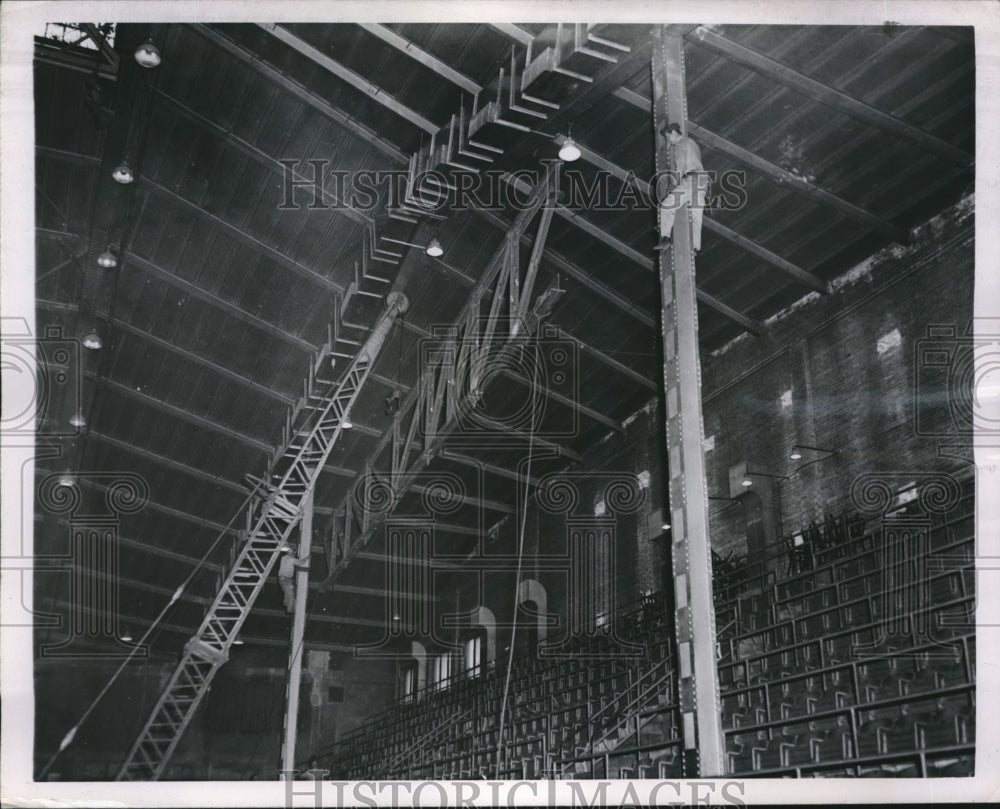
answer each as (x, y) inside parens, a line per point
(270, 520)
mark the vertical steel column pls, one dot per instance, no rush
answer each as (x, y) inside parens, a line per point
(704, 753)
(298, 633)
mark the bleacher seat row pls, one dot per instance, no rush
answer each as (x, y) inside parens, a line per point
(839, 656)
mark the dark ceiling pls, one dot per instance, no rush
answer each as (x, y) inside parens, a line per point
(848, 137)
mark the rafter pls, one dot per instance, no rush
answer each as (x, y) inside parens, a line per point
(172, 512)
(170, 463)
(610, 362)
(449, 454)
(642, 188)
(238, 234)
(830, 96)
(513, 32)
(375, 93)
(166, 345)
(467, 500)
(643, 261)
(545, 391)
(776, 173)
(564, 265)
(177, 412)
(418, 54)
(262, 158)
(240, 314)
(256, 64)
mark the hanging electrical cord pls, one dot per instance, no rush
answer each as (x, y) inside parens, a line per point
(68, 738)
(520, 554)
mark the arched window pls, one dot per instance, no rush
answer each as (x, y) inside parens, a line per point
(532, 605)
(472, 651)
(409, 683)
(442, 670)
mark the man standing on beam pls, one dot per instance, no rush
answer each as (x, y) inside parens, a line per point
(689, 190)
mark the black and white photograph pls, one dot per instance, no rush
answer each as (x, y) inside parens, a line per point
(441, 404)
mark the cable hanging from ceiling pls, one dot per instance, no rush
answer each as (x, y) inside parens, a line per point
(178, 593)
(535, 382)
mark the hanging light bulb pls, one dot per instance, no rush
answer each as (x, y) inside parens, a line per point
(665, 526)
(123, 174)
(238, 641)
(569, 151)
(66, 479)
(92, 340)
(796, 455)
(107, 260)
(434, 249)
(147, 54)
(77, 420)
(746, 482)
(347, 424)
(126, 635)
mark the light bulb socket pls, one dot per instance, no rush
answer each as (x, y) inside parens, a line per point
(148, 55)
(123, 174)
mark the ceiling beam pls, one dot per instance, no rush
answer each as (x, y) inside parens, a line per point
(177, 412)
(779, 175)
(417, 53)
(156, 550)
(641, 260)
(256, 64)
(551, 394)
(642, 187)
(263, 159)
(162, 460)
(166, 345)
(564, 265)
(513, 32)
(375, 93)
(172, 512)
(610, 362)
(240, 314)
(372, 556)
(831, 97)
(448, 454)
(377, 592)
(752, 247)
(240, 235)
(467, 500)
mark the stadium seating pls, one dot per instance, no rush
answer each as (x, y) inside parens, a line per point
(832, 662)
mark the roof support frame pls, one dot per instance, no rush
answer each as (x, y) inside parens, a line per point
(776, 173)
(377, 94)
(830, 96)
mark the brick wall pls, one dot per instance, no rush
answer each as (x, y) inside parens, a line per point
(849, 361)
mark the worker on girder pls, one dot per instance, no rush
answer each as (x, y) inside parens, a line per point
(691, 188)
(287, 568)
